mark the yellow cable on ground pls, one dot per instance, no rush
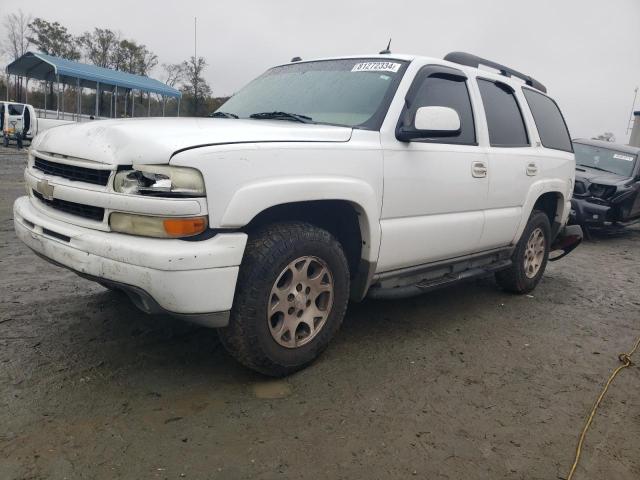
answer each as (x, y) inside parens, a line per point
(625, 358)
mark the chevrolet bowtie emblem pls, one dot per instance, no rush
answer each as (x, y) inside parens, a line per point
(45, 189)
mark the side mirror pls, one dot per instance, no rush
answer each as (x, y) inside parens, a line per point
(431, 122)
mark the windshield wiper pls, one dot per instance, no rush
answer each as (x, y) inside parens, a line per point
(282, 116)
(595, 168)
(223, 115)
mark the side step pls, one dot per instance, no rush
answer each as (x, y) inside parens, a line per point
(424, 286)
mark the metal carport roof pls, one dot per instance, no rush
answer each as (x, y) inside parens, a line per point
(45, 67)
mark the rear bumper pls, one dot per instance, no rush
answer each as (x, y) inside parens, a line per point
(192, 280)
(567, 240)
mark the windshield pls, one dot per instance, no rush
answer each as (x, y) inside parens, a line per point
(609, 160)
(353, 93)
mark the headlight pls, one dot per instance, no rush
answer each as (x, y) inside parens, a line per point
(160, 181)
(602, 191)
(160, 227)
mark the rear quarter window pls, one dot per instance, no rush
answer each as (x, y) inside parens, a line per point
(551, 126)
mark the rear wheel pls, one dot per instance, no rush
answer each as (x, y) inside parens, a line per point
(530, 256)
(290, 299)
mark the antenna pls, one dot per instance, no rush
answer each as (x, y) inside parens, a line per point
(387, 50)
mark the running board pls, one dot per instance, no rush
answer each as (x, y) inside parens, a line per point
(424, 286)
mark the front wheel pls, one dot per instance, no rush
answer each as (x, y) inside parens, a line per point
(290, 300)
(530, 256)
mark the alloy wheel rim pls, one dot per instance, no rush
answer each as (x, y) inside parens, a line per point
(300, 301)
(534, 253)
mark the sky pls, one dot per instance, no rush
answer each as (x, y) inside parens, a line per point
(587, 52)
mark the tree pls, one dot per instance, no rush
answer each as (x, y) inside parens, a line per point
(16, 42)
(606, 137)
(173, 73)
(195, 87)
(100, 46)
(53, 39)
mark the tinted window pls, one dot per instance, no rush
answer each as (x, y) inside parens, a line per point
(504, 119)
(549, 122)
(449, 92)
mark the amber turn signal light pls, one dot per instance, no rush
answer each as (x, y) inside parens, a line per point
(184, 227)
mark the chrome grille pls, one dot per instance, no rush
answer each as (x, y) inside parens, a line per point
(72, 172)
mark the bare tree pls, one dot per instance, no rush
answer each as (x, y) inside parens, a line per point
(173, 73)
(16, 41)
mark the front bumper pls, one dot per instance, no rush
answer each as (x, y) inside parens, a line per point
(588, 213)
(192, 280)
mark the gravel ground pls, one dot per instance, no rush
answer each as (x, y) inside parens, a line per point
(463, 383)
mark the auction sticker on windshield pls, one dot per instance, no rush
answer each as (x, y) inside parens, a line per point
(376, 67)
(623, 157)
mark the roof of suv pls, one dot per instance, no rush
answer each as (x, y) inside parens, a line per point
(495, 75)
(609, 145)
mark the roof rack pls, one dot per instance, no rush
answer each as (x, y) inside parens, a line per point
(470, 60)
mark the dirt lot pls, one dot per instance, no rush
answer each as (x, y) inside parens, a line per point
(463, 383)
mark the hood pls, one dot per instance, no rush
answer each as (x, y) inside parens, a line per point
(593, 175)
(155, 140)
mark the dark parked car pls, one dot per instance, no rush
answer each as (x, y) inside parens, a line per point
(607, 188)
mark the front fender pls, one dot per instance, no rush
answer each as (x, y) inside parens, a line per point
(251, 199)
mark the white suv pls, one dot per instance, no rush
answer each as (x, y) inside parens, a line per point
(385, 175)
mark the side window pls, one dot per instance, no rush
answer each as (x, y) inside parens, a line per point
(504, 119)
(447, 91)
(549, 122)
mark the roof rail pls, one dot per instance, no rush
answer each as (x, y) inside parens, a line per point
(470, 60)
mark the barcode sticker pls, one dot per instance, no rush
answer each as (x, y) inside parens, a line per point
(376, 67)
(623, 157)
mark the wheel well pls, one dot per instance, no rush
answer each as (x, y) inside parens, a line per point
(338, 217)
(550, 203)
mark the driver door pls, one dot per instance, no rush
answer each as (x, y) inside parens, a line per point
(435, 189)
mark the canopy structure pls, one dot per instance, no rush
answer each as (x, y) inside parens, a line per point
(53, 69)
(40, 66)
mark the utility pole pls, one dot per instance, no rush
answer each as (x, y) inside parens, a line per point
(631, 121)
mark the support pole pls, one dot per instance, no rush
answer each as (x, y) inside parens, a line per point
(45, 99)
(179, 106)
(97, 98)
(126, 97)
(149, 109)
(58, 93)
(26, 90)
(133, 104)
(164, 101)
(115, 105)
(8, 82)
(110, 104)
(78, 100)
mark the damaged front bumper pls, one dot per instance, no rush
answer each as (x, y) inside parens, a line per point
(566, 242)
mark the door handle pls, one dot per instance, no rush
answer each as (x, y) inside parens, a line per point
(479, 169)
(532, 169)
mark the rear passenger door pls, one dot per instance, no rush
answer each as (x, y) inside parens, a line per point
(512, 168)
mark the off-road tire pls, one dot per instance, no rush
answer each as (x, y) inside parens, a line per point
(269, 250)
(514, 279)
